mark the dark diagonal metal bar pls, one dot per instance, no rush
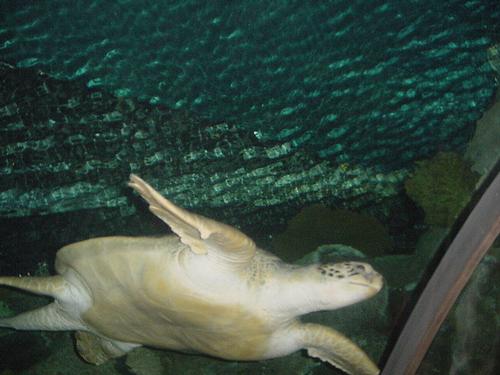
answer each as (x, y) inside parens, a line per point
(465, 252)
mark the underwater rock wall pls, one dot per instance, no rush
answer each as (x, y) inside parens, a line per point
(351, 81)
(484, 148)
(65, 147)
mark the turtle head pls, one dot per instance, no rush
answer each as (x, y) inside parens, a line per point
(341, 284)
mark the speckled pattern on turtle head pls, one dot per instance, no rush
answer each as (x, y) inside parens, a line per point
(205, 289)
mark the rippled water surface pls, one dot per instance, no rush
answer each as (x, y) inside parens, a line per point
(351, 80)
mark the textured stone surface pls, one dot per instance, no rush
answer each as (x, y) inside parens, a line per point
(483, 151)
(354, 81)
(65, 147)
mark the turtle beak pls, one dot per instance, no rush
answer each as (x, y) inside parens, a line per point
(375, 280)
(368, 278)
(372, 276)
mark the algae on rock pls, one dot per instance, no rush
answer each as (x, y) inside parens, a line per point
(442, 186)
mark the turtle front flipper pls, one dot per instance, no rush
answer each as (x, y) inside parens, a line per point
(331, 346)
(201, 234)
(96, 350)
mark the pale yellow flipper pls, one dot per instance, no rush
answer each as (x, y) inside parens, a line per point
(52, 286)
(331, 346)
(201, 234)
(96, 350)
(43, 318)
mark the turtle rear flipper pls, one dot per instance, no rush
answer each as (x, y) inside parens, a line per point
(49, 317)
(53, 286)
(96, 350)
(45, 318)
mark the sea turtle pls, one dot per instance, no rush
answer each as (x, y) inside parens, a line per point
(207, 289)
